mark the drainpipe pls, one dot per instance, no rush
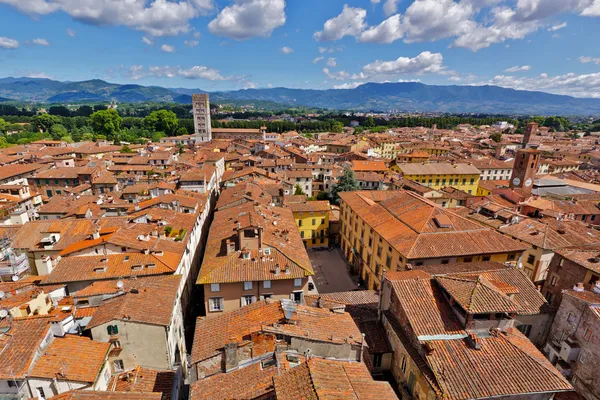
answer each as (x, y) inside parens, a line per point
(380, 303)
(362, 344)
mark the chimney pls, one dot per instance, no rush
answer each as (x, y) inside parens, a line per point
(474, 341)
(230, 246)
(96, 234)
(579, 287)
(231, 356)
(596, 288)
(277, 269)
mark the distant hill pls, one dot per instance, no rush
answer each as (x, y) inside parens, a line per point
(405, 96)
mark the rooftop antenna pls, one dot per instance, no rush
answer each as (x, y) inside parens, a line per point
(120, 285)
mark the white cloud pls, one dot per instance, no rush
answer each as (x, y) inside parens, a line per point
(424, 63)
(351, 22)
(196, 35)
(39, 75)
(518, 68)
(331, 62)
(585, 60)
(351, 85)
(191, 43)
(557, 27)
(317, 59)
(249, 18)
(286, 50)
(71, 32)
(571, 84)
(8, 43)
(269, 85)
(390, 7)
(41, 42)
(388, 31)
(428, 20)
(136, 72)
(338, 76)
(147, 40)
(155, 17)
(375, 1)
(167, 48)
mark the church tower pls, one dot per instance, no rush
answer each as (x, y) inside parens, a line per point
(201, 110)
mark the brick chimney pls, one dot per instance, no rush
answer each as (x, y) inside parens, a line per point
(474, 341)
(231, 356)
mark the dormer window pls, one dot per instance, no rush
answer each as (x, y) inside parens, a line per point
(100, 269)
(137, 267)
(151, 266)
(267, 251)
(126, 258)
(246, 255)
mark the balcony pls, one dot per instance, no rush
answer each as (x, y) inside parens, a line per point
(14, 265)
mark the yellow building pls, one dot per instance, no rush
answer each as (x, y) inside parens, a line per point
(312, 219)
(464, 177)
(390, 229)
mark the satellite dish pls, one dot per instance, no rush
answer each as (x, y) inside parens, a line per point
(2, 294)
(120, 284)
(15, 278)
(3, 313)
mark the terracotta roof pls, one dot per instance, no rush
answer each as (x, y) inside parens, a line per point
(280, 234)
(427, 311)
(332, 380)
(71, 358)
(150, 303)
(144, 380)
(98, 395)
(438, 169)
(71, 231)
(111, 266)
(245, 383)
(17, 350)
(506, 365)
(477, 295)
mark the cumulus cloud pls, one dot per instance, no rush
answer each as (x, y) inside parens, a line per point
(147, 40)
(136, 72)
(167, 48)
(331, 62)
(390, 7)
(71, 32)
(191, 43)
(557, 27)
(155, 17)
(249, 18)
(424, 63)
(351, 85)
(40, 42)
(286, 50)
(351, 22)
(8, 43)
(587, 85)
(39, 75)
(338, 76)
(518, 68)
(317, 59)
(585, 60)
(388, 31)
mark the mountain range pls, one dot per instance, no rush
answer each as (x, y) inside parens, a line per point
(403, 96)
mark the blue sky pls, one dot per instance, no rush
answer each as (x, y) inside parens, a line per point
(548, 45)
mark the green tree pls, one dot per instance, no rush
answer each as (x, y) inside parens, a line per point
(162, 121)
(347, 183)
(87, 137)
(369, 122)
(45, 121)
(496, 137)
(3, 126)
(66, 139)
(182, 131)
(106, 123)
(126, 149)
(337, 127)
(298, 190)
(57, 131)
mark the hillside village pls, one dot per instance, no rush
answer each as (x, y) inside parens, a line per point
(414, 263)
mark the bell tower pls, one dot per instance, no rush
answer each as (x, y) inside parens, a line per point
(526, 165)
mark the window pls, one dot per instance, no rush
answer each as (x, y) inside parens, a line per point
(40, 392)
(587, 335)
(379, 251)
(215, 304)
(561, 262)
(403, 365)
(553, 281)
(419, 263)
(582, 357)
(267, 251)
(112, 330)
(446, 261)
(118, 365)
(468, 259)
(322, 221)
(549, 297)
(531, 259)
(247, 300)
(302, 234)
(247, 285)
(266, 284)
(314, 221)
(215, 287)
(377, 360)
(388, 261)
(525, 329)
(299, 222)
(486, 258)
(297, 282)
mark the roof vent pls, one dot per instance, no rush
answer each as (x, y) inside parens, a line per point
(442, 221)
